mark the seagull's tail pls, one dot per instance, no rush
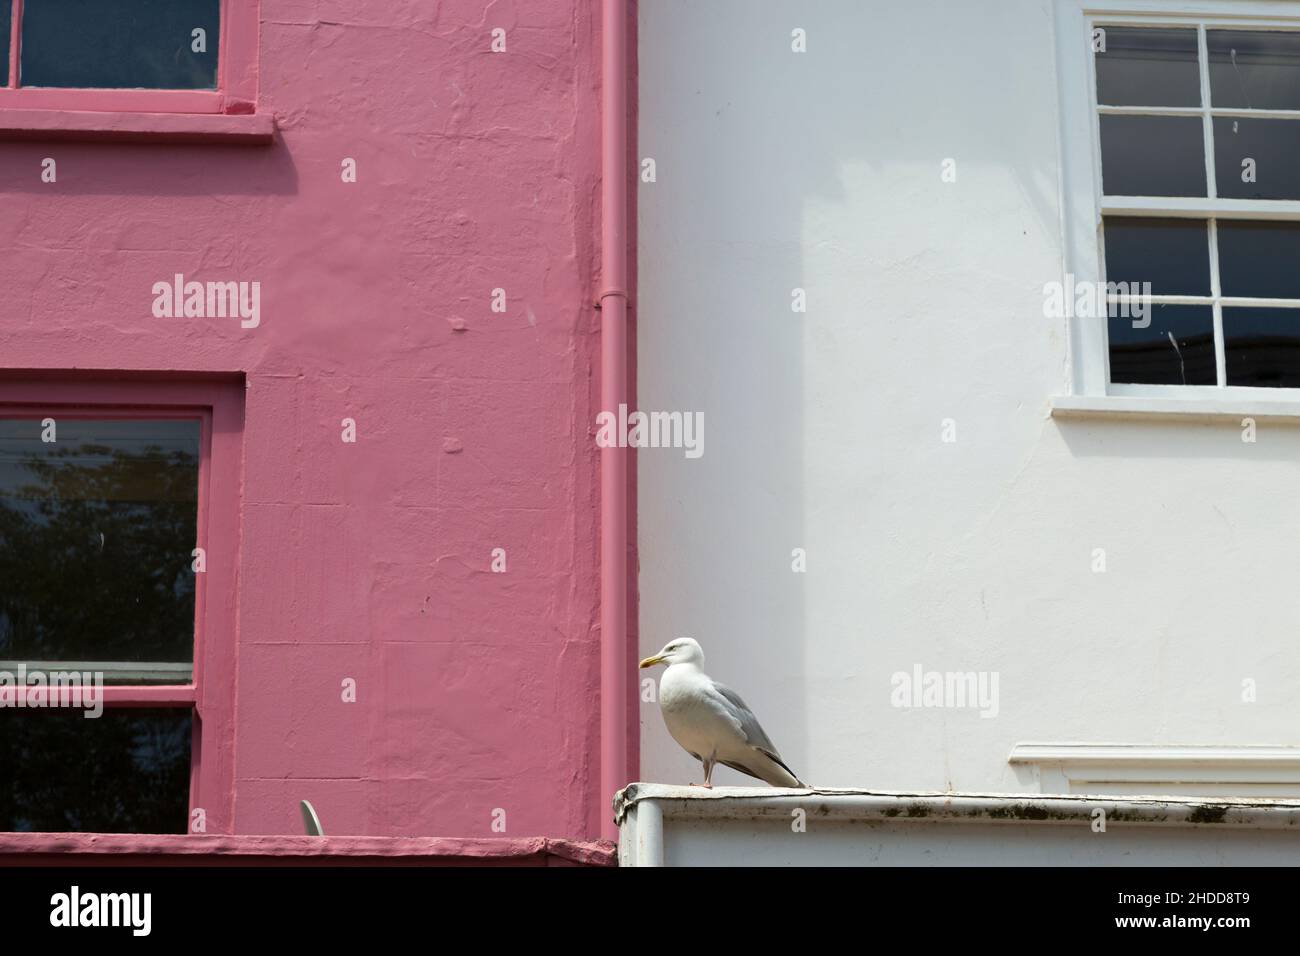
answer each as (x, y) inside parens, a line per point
(781, 775)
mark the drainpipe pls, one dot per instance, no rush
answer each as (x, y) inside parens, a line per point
(613, 392)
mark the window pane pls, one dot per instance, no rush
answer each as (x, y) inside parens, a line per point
(6, 11)
(1177, 348)
(1254, 69)
(119, 44)
(1152, 156)
(1262, 347)
(1271, 146)
(125, 771)
(1259, 259)
(1148, 68)
(1172, 254)
(97, 530)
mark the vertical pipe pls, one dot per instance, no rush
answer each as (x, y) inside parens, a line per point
(649, 833)
(613, 393)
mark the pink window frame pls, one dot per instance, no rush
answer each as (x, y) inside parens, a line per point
(218, 405)
(236, 90)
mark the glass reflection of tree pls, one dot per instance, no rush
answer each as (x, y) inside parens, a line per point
(126, 771)
(95, 559)
(95, 553)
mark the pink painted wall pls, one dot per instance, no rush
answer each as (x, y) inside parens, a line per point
(476, 170)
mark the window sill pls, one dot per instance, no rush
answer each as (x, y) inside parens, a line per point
(1244, 771)
(233, 128)
(1174, 409)
(1081, 753)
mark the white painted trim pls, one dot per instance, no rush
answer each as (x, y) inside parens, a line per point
(1184, 207)
(1149, 110)
(1080, 753)
(1228, 111)
(1216, 290)
(697, 803)
(1181, 407)
(1077, 768)
(1231, 302)
(1207, 121)
(1230, 12)
(1228, 301)
(1080, 190)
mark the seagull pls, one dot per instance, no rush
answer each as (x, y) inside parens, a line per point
(710, 720)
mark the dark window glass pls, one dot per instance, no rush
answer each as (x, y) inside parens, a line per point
(97, 531)
(1262, 347)
(1259, 259)
(6, 11)
(1176, 348)
(1254, 69)
(1142, 67)
(119, 44)
(1152, 156)
(126, 771)
(1172, 254)
(1273, 145)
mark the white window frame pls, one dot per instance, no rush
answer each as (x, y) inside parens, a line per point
(1083, 204)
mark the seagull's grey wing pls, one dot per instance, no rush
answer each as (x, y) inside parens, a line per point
(753, 732)
(757, 738)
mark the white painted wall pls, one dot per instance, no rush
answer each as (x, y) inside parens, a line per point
(821, 170)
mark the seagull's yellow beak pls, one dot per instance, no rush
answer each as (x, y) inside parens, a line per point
(652, 661)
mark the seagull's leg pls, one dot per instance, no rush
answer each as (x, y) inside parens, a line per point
(701, 760)
(708, 773)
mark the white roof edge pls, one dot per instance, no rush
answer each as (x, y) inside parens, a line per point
(678, 802)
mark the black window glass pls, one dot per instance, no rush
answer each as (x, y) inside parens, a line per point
(120, 44)
(1256, 158)
(6, 11)
(1172, 254)
(1143, 67)
(1262, 347)
(1175, 348)
(125, 771)
(97, 532)
(1259, 259)
(1254, 69)
(1152, 156)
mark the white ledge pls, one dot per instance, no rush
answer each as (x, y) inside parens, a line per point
(1178, 409)
(1145, 754)
(676, 802)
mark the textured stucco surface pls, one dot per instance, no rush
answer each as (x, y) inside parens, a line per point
(822, 171)
(371, 560)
